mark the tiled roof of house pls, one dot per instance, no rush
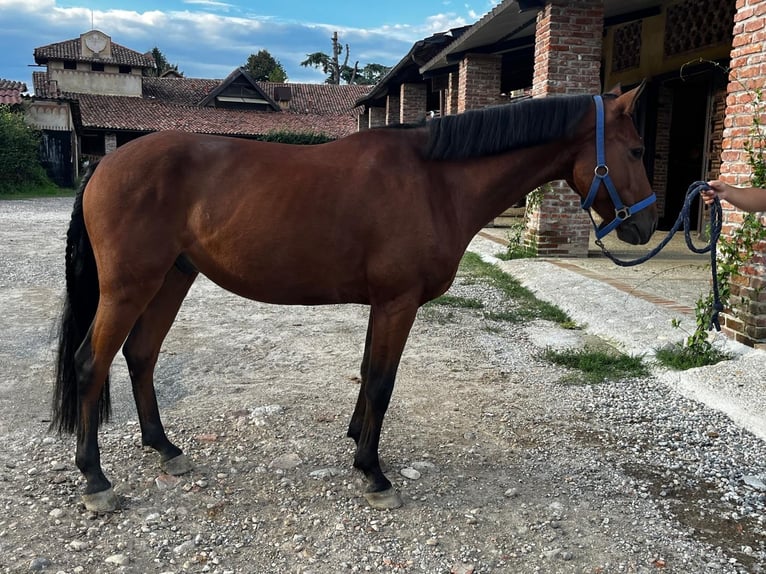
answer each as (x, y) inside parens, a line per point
(173, 103)
(320, 98)
(146, 114)
(72, 50)
(305, 98)
(10, 91)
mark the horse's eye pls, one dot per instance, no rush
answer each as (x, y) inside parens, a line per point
(637, 152)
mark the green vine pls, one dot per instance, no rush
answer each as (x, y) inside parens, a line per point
(519, 245)
(735, 251)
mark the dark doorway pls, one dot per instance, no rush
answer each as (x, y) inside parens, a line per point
(686, 155)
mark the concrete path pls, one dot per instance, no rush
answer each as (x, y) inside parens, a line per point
(634, 309)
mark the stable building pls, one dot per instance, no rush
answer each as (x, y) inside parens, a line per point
(704, 64)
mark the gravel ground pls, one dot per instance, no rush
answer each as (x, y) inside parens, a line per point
(503, 467)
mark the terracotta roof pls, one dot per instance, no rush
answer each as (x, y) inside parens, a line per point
(320, 98)
(10, 91)
(189, 91)
(71, 50)
(305, 98)
(173, 103)
(142, 114)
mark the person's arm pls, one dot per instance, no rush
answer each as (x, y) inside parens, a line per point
(744, 198)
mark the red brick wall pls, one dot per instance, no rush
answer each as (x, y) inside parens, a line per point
(567, 61)
(450, 98)
(413, 102)
(568, 47)
(377, 117)
(393, 110)
(748, 73)
(479, 82)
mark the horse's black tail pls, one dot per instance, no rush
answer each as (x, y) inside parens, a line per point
(80, 303)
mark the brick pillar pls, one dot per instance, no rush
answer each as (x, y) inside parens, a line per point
(363, 121)
(747, 322)
(110, 142)
(377, 117)
(479, 82)
(567, 61)
(450, 97)
(413, 103)
(393, 110)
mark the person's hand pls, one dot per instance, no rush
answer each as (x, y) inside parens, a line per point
(717, 189)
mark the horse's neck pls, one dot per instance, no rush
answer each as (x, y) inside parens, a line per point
(482, 188)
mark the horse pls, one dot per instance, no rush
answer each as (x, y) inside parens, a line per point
(381, 217)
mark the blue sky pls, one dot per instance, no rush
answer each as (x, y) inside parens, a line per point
(210, 38)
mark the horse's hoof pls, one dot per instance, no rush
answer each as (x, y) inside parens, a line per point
(385, 500)
(177, 465)
(104, 501)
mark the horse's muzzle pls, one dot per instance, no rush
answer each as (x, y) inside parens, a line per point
(637, 229)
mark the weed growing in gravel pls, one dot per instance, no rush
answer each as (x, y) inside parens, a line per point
(456, 301)
(597, 366)
(527, 307)
(680, 357)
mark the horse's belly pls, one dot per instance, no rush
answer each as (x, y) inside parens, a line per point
(293, 286)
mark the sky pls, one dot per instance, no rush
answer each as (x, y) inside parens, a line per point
(210, 38)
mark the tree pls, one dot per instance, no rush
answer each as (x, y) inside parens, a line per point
(371, 73)
(19, 144)
(162, 63)
(337, 72)
(264, 68)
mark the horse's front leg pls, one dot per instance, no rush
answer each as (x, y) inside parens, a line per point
(391, 326)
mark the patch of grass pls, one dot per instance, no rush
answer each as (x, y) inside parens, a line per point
(528, 307)
(681, 357)
(35, 190)
(597, 365)
(456, 301)
(517, 252)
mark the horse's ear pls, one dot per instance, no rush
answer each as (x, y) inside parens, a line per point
(616, 91)
(628, 100)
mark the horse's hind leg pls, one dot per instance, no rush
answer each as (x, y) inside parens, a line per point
(141, 351)
(114, 319)
(355, 425)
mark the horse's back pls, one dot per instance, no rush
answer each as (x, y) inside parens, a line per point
(277, 223)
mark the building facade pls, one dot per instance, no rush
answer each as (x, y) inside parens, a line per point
(95, 95)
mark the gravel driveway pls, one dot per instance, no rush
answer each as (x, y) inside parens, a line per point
(502, 466)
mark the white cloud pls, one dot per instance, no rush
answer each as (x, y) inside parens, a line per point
(207, 38)
(211, 4)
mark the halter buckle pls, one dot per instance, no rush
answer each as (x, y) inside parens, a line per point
(622, 213)
(601, 170)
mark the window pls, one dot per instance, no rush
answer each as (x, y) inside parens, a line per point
(70, 65)
(97, 67)
(125, 69)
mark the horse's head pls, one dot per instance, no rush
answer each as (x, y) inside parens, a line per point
(609, 172)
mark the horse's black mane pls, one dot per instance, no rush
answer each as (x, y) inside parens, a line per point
(497, 129)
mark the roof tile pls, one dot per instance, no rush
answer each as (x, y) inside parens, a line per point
(10, 91)
(72, 50)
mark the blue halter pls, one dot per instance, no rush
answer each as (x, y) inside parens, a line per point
(601, 175)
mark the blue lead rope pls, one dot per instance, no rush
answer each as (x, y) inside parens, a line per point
(716, 220)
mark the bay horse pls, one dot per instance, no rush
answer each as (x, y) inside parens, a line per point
(381, 217)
